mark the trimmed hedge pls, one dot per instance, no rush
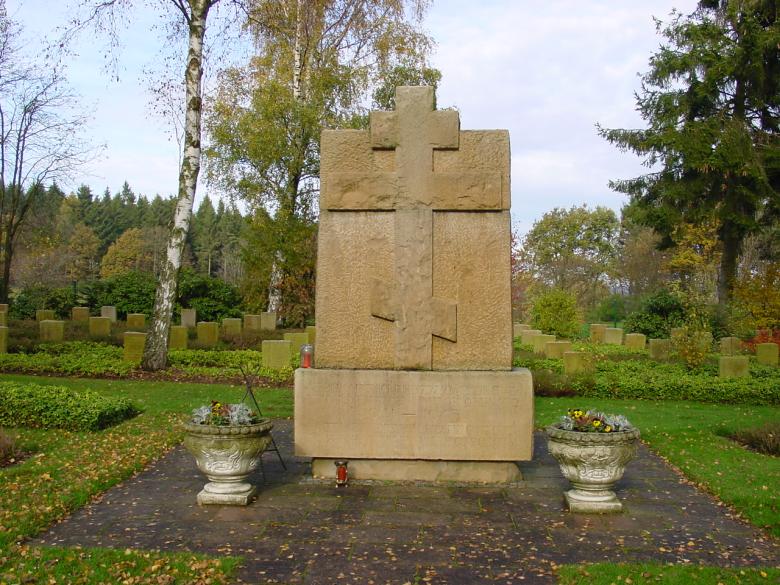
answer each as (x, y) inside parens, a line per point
(650, 380)
(57, 407)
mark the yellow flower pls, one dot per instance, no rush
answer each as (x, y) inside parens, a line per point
(596, 423)
(607, 429)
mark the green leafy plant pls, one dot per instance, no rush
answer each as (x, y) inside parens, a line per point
(58, 407)
(213, 299)
(555, 312)
(658, 314)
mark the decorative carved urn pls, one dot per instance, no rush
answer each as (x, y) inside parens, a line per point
(227, 455)
(593, 463)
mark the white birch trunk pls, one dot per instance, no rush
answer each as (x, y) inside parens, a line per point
(156, 350)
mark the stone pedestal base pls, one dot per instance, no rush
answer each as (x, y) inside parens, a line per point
(604, 502)
(421, 470)
(415, 425)
(240, 497)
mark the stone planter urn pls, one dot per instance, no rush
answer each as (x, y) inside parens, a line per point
(592, 462)
(227, 455)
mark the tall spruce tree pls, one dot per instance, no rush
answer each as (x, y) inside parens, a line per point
(711, 100)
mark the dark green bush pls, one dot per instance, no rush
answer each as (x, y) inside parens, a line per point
(132, 292)
(32, 298)
(554, 312)
(57, 407)
(659, 313)
(213, 299)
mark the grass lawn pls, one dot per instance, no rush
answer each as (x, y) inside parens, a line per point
(66, 469)
(650, 573)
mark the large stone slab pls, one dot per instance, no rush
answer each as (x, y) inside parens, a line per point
(276, 353)
(421, 470)
(613, 336)
(178, 337)
(231, 327)
(527, 336)
(733, 366)
(296, 341)
(252, 323)
(208, 333)
(3, 318)
(518, 328)
(451, 416)
(189, 318)
(136, 321)
(540, 341)
(79, 314)
(3, 339)
(312, 331)
(268, 321)
(45, 315)
(3, 307)
(767, 353)
(99, 327)
(597, 332)
(730, 345)
(635, 341)
(51, 330)
(108, 311)
(134, 342)
(556, 349)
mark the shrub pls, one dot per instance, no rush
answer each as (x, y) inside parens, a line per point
(659, 313)
(213, 299)
(32, 298)
(131, 292)
(32, 405)
(765, 439)
(554, 312)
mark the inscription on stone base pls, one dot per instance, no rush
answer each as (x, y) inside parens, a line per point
(390, 414)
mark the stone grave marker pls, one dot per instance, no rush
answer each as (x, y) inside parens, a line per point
(577, 362)
(312, 331)
(189, 318)
(597, 332)
(108, 311)
(51, 330)
(527, 336)
(276, 353)
(730, 346)
(136, 321)
(635, 341)
(733, 366)
(252, 323)
(99, 327)
(3, 307)
(3, 339)
(3, 319)
(178, 337)
(540, 340)
(660, 349)
(676, 332)
(413, 304)
(134, 342)
(767, 353)
(45, 315)
(268, 321)
(296, 341)
(613, 336)
(231, 327)
(518, 328)
(556, 349)
(208, 333)
(79, 314)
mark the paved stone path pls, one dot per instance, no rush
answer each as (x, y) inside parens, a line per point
(301, 531)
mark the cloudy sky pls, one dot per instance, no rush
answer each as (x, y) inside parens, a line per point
(546, 71)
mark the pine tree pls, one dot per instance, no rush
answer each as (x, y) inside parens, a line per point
(711, 100)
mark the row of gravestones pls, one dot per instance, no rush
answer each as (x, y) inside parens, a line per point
(730, 365)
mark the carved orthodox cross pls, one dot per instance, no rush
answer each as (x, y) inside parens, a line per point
(413, 191)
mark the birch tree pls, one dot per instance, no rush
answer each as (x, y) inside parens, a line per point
(191, 16)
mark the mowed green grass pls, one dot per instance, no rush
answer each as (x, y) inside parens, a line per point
(66, 469)
(652, 574)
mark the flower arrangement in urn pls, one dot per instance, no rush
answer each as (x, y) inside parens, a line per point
(592, 449)
(227, 441)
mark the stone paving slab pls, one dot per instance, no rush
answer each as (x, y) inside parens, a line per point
(302, 531)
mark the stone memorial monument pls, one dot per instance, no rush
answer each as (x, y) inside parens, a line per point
(413, 373)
